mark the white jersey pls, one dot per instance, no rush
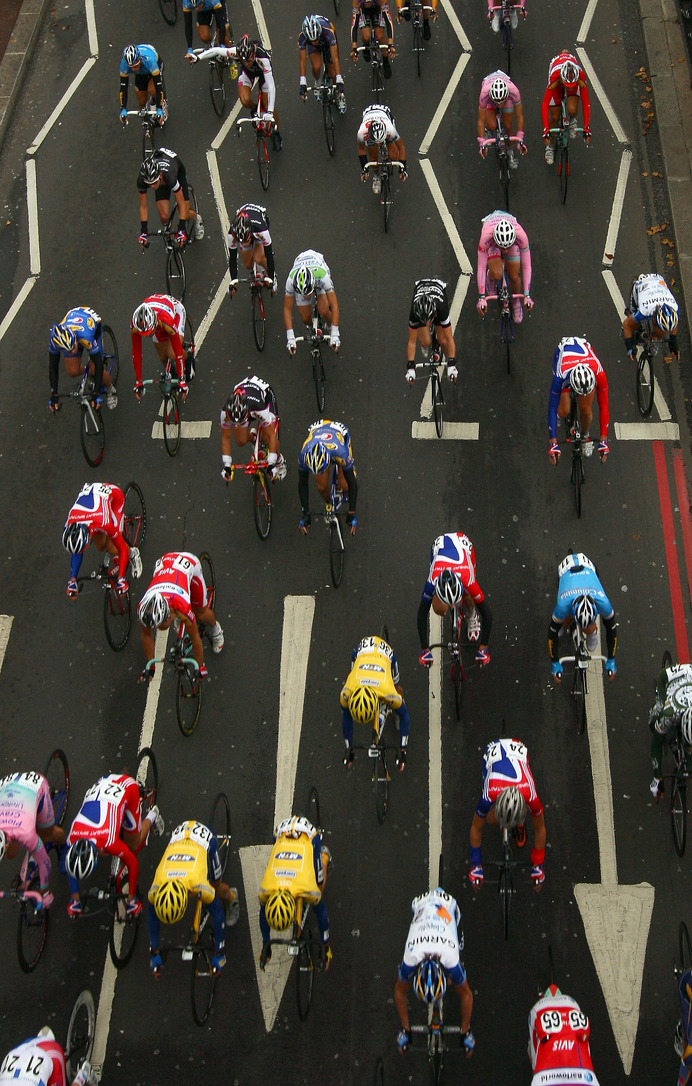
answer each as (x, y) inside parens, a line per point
(39, 1061)
(648, 293)
(434, 934)
(380, 113)
(313, 260)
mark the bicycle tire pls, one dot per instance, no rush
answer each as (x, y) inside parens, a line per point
(337, 6)
(259, 319)
(111, 357)
(117, 616)
(328, 123)
(563, 171)
(678, 816)
(188, 699)
(203, 985)
(147, 776)
(263, 162)
(505, 177)
(378, 1074)
(305, 974)
(122, 938)
(168, 7)
(312, 808)
(175, 273)
(386, 200)
(79, 1043)
(57, 773)
(134, 515)
(506, 896)
(507, 45)
(418, 46)
(92, 434)
(172, 429)
(220, 825)
(209, 580)
(32, 930)
(194, 206)
(438, 400)
(336, 551)
(667, 660)
(262, 504)
(579, 695)
(436, 1062)
(217, 89)
(381, 777)
(148, 141)
(685, 947)
(319, 377)
(645, 383)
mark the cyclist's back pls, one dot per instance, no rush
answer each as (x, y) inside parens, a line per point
(559, 1042)
(374, 664)
(40, 1061)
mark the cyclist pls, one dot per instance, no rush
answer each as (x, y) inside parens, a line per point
(205, 11)
(672, 711)
(577, 369)
(502, 245)
(297, 869)
(146, 65)
(378, 127)
(178, 591)
(109, 823)
(559, 1041)
(40, 1061)
(406, 14)
(495, 9)
(369, 15)
(255, 64)
(430, 304)
(27, 820)
(252, 404)
(98, 514)
(327, 443)
(452, 582)
(500, 96)
(79, 330)
(566, 79)
(508, 790)
(372, 681)
(433, 950)
(653, 305)
(165, 174)
(580, 598)
(310, 278)
(162, 317)
(683, 1033)
(317, 39)
(190, 868)
(249, 232)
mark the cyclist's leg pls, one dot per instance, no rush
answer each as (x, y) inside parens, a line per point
(306, 314)
(563, 408)
(572, 104)
(259, 255)
(323, 308)
(495, 272)
(322, 483)
(513, 267)
(508, 121)
(315, 57)
(423, 337)
(73, 365)
(490, 119)
(163, 205)
(245, 90)
(270, 437)
(204, 26)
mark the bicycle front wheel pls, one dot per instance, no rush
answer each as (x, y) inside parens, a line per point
(209, 578)
(111, 358)
(386, 200)
(418, 45)
(319, 377)
(203, 984)
(305, 975)
(577, 479)
(175, 273)
(645, 384)
(262, 504)
(685, 948)
(172, 428)
(328, 122)
(336, 551)
(438, 400)
(220, 825)
(579, 695)
(263, 163)
(563, 171)
(134, 515)
(678, 815)
(188, 698)
(80, 1033)
(117, 616)
(381, 781)
(217, 88)
(258, 319)
(169, 10)
(506, 897)
(32, 930)
(92, 434)
(57, 773)
(124, 929)
(147, 777)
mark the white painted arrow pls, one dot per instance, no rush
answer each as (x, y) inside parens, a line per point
(616, 918)
(299, 612)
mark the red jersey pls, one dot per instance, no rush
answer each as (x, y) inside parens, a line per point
(170, 325)
(178, 576)
(555, 90)
(100, 507)
(109, 807)
(559, 1042)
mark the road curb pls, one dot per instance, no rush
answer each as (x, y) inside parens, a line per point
(20, 50)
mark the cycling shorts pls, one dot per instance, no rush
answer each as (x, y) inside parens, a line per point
(505, 254)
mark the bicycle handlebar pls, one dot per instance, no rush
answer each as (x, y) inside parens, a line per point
(589, 658)
(255, 122)
(491, 140)
(424, 7)
(24, 895)
(392, 162)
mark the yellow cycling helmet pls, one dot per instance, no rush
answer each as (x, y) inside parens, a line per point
(170, 902)
(363, 704)
(279, 909)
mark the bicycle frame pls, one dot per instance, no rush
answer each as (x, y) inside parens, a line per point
(376, 50)
(385, 167)
(258, 469)
(314, 337)
(436, 1032)
(263, 129)
(581, 658)
(150, 124)
(580, 449)
(562, 135)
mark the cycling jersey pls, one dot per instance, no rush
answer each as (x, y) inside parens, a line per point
(325, 41)
(673, 697)
(25, 806)
(374, 665)
(178, 576)
(152, 67)
(453, 551)
(173, 176)
(170, 325)
(295, 864)
(435, 290)
(380, 113)
(39, 1061)
(260, 68)
(555, 90)
(434, 933)
(100, 507)
(648, 292)
(506, 764)
(192, 855)
(259, 227)
(487, 248)
(110, 807)
(313, 260)
(86, 325)
(577, 576)
(204, 10)
(559, 1042)
(570, 352)
(337, 441)
(261, 403)
(370, 13)
(513, 97)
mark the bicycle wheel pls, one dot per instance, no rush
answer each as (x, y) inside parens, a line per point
(418, 44)
(220, 824)
(258, 319)
(80, 1033)
(685, 948)
(209, 580)
(305, 974)
(579, 695)
(175, 273)
(381, 779)
(506, 897)
(203, 984)
(262, 504)
(188, 698)
(263, 162)
(678, 815)
(111, 358)
(507, 44)
(645, 383)
(337, 6)
(92, 434)
(563, 170)
(438, 400)
(577, 479)
(171, 423)
(134, 515)
(328, 122)
(32, 930)
(57, 773)
(147, 776)
(318, 376)
(336, 550)
(117, 616)
(667, 660)
(312, 808)
(122, 938)
(378, 1076)
(148, 140)
(386, 200)
(217, 88)
(169, 10)
(505, 178)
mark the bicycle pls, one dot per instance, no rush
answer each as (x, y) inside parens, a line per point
(80, 1034)
(506, 868)
(509, 20)
(92, 435)
(188, 696)
(169, 10)
(436, 1034)
(170, 398)
(263, 130)
(501, 141)
(374, 51)
(581, 658)
(34, 917)
(377, 752)
(332, 517)
(123, 929)
(257, 311)
(685, 960)
(314, 337)
(150, 125)
(417, 10)
(176, 280)
(580, 448)
(327, 92)
(454, 646)
(645, 347)
(117, 606)
(258, 469)
(432, 367)
(217, 66)
(504, 299)
(678, 780)
(562, 137)
(385, 168)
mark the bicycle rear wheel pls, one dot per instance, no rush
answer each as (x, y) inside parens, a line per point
(506, 897)
(175, 273)
(667, 660)
(122, 939)
(263, 162)
(111, 358)
(147, 777)
(438, 400)
(80, 1033)
(117, 615)
(217, 88)
(305, 974)
(134, 515)
(318, 376)
(328, 122)
(220, 824)
(563, 171)
(188, 698)
(645, 384)
(258, 318)
(262, 504)
(579, 695)
(336, 550)
(92, 434)
(678, 815)
(172, 428)
(148, 140)
(57, 773)
(203, 984)
(381, 780)
(209, 580)
(32, 930)
(685, 948)
(577, 479)
(169, 10)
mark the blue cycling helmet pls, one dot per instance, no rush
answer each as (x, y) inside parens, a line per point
(666, 318)
(317, 458)
(430, 983)
(312, 28)
(63, 338)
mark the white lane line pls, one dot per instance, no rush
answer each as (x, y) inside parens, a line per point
(226, 126)
(447, 220)
(660, 403)
(261, 24)
(217, 301)
(647, 431)
(618, 202)
(5, 627)
(456, 25)
(91, 27)
(188, 430)
(73, 87)
(452, 431)
(459, 298)
(219, 199)
(610, 113)
(17, 304)
(614, 291)
(435, 754)
(153, 691)
(444, 104)
(586, 21)
(32, 212)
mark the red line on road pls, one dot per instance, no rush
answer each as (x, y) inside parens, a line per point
(682, 646)
(685, 518)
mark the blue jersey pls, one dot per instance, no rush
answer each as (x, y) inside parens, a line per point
(578, 575)
(569, 352)
(335, 437)
(86, 325)
(205, 5)
(326, 39)
(151, 62)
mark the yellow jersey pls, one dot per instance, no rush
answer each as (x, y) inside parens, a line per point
(292, 867)
(188, 857)
(372, 666)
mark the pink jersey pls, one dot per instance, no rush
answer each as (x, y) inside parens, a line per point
(506, 763)
(25, 804)
(178, 576)
(513, 97)
(559, 1042)
(170, 327)
(39, 1061)
(100, 506)
(110, 807)
(488, 249)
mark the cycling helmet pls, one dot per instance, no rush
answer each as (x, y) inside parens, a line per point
(423, 307)
(75, 538)
(510, 809)
(312, 28)
(584, 610)
(504, 233)
(430, 982)
(448, 587)
(3, 843)
(498, 90)
(304, 282)
(241, 227)
(132, 55)
(317, 458)
(154, 611)
(246, 48)
(170, 901)
(569, 73)
(294, 827)
(582, 379)
(81, 859)
(279, 909)
(236, 407)
(144, 319)
(686, 726)
(666, 318)
(62, 337)
(363, 704)
(376, 130)
(149, 171)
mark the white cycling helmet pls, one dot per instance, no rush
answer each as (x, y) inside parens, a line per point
(144, 319)
(449, 587)
(569, 73)
(498, 90)
(504, 233)
(154, 611)
(376, 130)
(582, 379)
(510, 809)
(81, 858)
(584, 610)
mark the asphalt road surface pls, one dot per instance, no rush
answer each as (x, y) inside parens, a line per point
(61, 685)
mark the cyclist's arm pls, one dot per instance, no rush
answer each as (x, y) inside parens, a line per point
(304, 490)
(176, 342)
(556, 390)
(124, 80)
(148, 642)
(411, 345)
(334, 59)
(399, 144)
(352, 485)
(525, 254)
(320, 911)
(466, 1000)
(143, 213)
(123, 552)
(302, 64)
(538, 822)
(585, 104)
(603, 410)
(544, 106)
(187, 20)
(401, 989)
(218, 916)
(611, 628)
(129, 859)
(264, 926)
(54, 371)
(288, 307)
(422, 621)
(481, 265)
(481, 122)
(476, 832)
(657, 738)
(519, 114)
(269, 253)
(553, 634)
(154, 926)
(97, 359)
(347, 726)
(269, 87)
(158, 85)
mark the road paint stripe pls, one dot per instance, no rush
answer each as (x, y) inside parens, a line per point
(299, 612)
(646, 431)
(435, 754)
(146, 735)
(459, 298)
(272, 982)
(5, 627)
(261, 24)
(219, 199)
(443, 104)
(452, 431)
(73, 87)
(586, 21)
(103, 1016)
(91, 27)
(208, 318)
(618, 202)
(27, 287)
(188, 430)
(447, 220)
(32, 212)
(610, 113)
(660, 403)
(456, 25)
(614, 291)
(226, 126)
(685, 518)
(600, 770)
(683, 652)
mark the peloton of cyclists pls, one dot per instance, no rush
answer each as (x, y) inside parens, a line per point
(252, 405)
(310, 278)
(576, 368)
(581, 599)
(97, 515)
(318, 36)
(500, 96)
(378, 127)
(652, 304)
(327, 442)
(566, 79)
(373, 681)
(249, 232)
(452, 583)
(79, 330)
(502, 246)
(430, 304)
